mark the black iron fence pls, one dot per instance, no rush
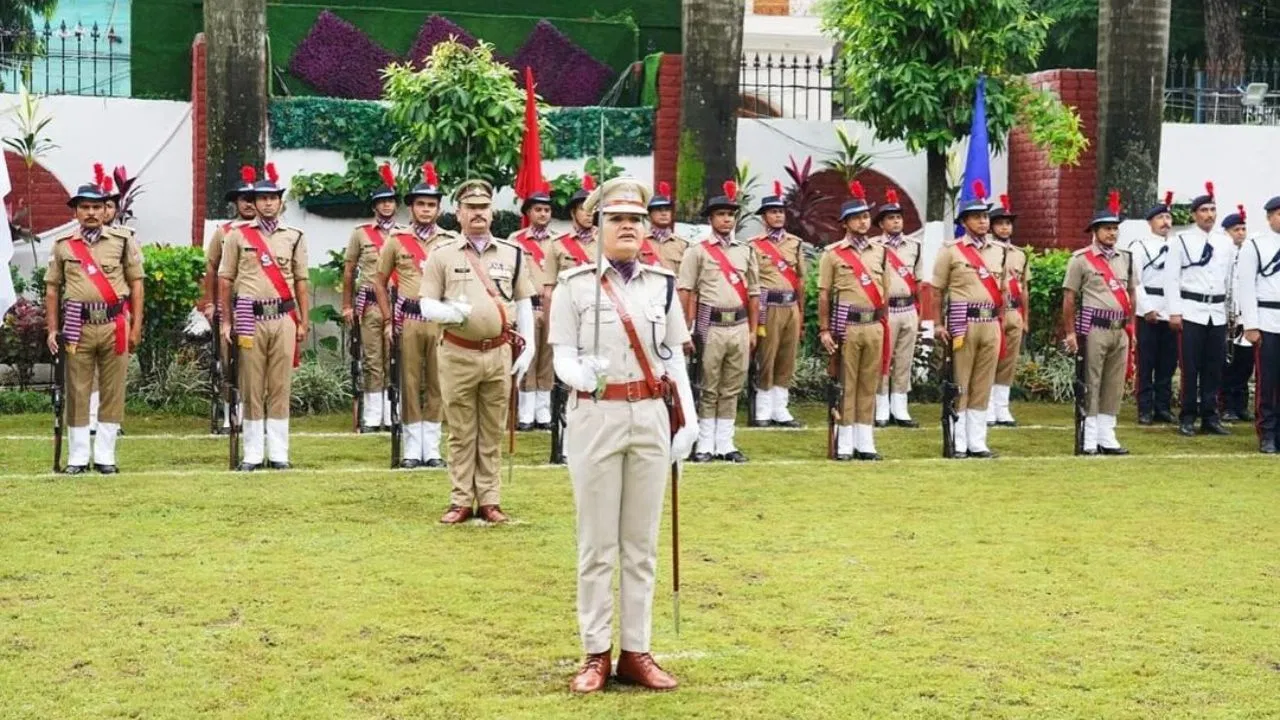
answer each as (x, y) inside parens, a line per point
(808, 87)
(1246, 93)
(64, 60)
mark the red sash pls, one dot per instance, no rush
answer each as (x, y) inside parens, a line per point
(1015, 290)
(648, 253)
(1121, 294)
(91, 270)
(375, 237)
(988, 282)
(533, 248)
(904, 272)
(726, 268)
(267, 261)
(575, 249)
(766, 246)
(868, 284)
(410, 243)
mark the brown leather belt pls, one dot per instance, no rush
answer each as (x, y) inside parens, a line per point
(634, 391)
(486, 345)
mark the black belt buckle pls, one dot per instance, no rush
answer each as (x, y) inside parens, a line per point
(97, 315)
(862, 317)
(728, 317)
(412, 307)
(982, 313)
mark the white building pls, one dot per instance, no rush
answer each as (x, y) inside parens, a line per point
(787, 58)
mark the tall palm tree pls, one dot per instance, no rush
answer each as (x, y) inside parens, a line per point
(709, 100)
(1133, 49)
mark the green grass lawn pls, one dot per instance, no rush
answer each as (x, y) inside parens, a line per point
(1037, 585)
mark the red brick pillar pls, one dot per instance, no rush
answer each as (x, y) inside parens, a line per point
(666, 128)
(1055, 204)
(199, 140)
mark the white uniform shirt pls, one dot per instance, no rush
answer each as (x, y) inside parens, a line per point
(1185, 270)
(1149, 256)
(1234, 310)
(1260, 255)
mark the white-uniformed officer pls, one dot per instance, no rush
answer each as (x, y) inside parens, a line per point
(1157, 344)
(1259, 297)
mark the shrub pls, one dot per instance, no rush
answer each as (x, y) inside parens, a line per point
(19, 402)
(321, 385)
(22, 339)
(339, 59)
(172, 285)
(1048, 269)
(181, 385)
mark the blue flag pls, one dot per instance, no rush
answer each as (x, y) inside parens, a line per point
(977, 164)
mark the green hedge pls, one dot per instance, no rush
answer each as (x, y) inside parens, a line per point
(335, 124)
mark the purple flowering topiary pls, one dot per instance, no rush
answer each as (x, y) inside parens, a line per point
(566, 75)
(436, 30)
(340, 60)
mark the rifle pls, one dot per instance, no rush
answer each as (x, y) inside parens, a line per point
(215, 377)
(232, 379)
(695, 369)
(559, 400)
(1081, 389)
(950, 393)
(753, 377)
(56, 393)
(357, 397)
(393, 395)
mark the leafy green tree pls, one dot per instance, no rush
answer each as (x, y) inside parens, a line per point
(913, 66)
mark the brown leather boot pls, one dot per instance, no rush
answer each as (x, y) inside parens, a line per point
(456, 514)
(640, 669)
(593, 673)
(492, 514)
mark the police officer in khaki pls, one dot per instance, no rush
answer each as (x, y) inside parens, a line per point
(1100, 284)
(240, 196)
(535, 240)
(1017, 280)
(852, 292)
(719, 286)
(663, 246)
(264, 289)
(780, 258)
(360, 308)
(575, 248)
(93, 297)
(404, 258)
(480, 289)
(902, 255)
(619, 430)
(968, 275)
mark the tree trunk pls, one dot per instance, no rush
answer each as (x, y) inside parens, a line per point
(1223, 42)
(1133, 49)
(936, 186)
(709, 101)
(236, 93)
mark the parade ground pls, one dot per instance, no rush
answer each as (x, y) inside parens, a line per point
(1036, 585)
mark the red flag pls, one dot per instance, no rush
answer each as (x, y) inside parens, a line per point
(529, 174)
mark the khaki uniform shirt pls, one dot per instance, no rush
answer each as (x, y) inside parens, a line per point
(953, 275)
(364, 254)
(646, 301)
(701, 275)
(792, 252)
(449, 276)
(395, 256)
(242, 266)
(213, 251)
(117, 254)
(537, 273)
(834, 274)
(908, 250)
(1016, 268)
(670, 251)
(1087, 282)
(559, 259)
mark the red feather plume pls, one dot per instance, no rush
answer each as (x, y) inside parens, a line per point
(777, 188)
(664, 189)
(248, 175)
(107, 185)
(1241, 209)
(1004, 203)
(588, 182)
(979, 190)
(273, 177)
(1168, 198)
(388, 177)
(99, 175)
(891, 197)
(731, 190)
(1113, 202)
(544, 187)
(855, 189)
(429, 175)
(1208, 188)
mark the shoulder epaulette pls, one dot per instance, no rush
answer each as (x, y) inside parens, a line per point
(123, 231)
(1081, 251)
(508, 243)
(656, 269)
(576, 271)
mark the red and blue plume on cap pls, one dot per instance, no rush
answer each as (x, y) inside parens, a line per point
(248, 175)
(388, 177)
(855, 189)
(664, 189)
(588, 182)
(731, 190)
(777, 188)
(1004, 203)
(1208, 188)
(429, 174)
(100, 177)
(1113, 202)
(1242, 213)
(979, 190)
(891, 197)
(1168, 198)
(273, 177)
(107, 185)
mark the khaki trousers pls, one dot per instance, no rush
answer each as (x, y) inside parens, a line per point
(860, 360)
(724, 370)
(1007, 366)
(266, 369)
(541, 376)
(96, 352)
(1106, 352)
(975, 365)
(904, 332)
(419, 372)
(373, 349)
(618, 455)
(475, 406)
(776, 351)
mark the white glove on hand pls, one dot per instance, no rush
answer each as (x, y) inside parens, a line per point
(682, 443)
(590, 371)
(522, 363)
(461, 310)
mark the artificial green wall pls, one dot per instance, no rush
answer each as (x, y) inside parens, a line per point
(163, 30)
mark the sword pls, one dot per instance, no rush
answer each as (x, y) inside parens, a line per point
(675, 544)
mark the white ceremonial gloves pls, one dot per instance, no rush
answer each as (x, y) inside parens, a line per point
(682, 443)
(449, 312)
(525, 329)
(687, 434)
